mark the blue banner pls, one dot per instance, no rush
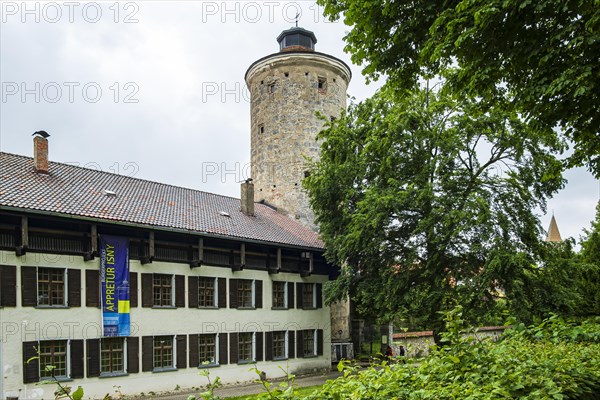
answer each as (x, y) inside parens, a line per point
(114, 279)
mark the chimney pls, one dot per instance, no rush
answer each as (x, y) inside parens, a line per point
(247, 197)
(40, 152)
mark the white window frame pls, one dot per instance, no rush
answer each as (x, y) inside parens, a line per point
(285, 295)
(315, 339)
(217, 359)
(314, 295)
(65, 288)
(253, 355)
(60, 378)
(286, 346)
(173, 365)
(216, 293)
(172, 305)
(118, 373)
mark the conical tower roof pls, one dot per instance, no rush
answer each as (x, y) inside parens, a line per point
(553, 232)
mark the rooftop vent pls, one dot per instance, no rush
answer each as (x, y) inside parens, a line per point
(109, 193)
(225, 214)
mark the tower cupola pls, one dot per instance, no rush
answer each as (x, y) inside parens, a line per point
(296, 39)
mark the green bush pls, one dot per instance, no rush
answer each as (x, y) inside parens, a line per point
(555, 360)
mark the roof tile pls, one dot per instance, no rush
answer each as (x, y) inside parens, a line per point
(73, 190)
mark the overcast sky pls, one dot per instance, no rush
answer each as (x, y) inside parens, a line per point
(156, 89)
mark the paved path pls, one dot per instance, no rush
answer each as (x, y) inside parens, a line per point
(250, 388)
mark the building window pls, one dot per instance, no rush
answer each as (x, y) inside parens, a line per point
(322, 85)
(245, 293)
(53, 359)
(207, 292)
(309, 344)
(51, 287)
(308, 295)
(163, 352)
(261, 128)
(162, 287)
(280, 295)
(112, 356)
(246, 347)
(207, 349)
(279, 345)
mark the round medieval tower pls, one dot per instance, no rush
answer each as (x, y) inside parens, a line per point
(287, 91)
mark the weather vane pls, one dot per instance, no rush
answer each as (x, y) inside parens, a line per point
(297, 17)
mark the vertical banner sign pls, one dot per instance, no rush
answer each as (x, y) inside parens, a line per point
(114, 279)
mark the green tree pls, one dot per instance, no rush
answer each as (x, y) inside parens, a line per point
(589, 275)
(552, 286)
(590, 244)
(418, 196)
(544, 54)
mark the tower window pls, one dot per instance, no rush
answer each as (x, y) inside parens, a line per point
(261, 128)
(306, 74)
(272, 88)
(322, 84)
(286, 74)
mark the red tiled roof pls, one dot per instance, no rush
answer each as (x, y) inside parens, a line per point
(71, 190)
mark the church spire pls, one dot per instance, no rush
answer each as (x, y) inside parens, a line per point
(553, 233)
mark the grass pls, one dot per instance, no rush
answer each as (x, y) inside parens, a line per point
(303, 391)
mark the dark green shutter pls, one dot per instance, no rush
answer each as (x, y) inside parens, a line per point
(268, 346)
(194, 356)
(259, 346)
(93, 357)
(181, 351)
(290, 293)
(233, 348)
(147, 300)
(133, 289)
(133, 355)
(233, 288)
(147, 353)
(223, 348)
(28, 287)
(192, 291)
(222, 293)
(31, 369)
(8, 286)
(319, 295)
(258, 295)
(92, 288)
(76, 359)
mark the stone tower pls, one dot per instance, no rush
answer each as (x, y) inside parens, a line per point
(287, 90)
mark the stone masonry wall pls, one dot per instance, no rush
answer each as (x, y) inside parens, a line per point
(287, 90)
(416, 344)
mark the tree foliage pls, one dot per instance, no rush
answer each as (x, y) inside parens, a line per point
(423, 198)
(590, 245)
(543, 54)
(555, 360)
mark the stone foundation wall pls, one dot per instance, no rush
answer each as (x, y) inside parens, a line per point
(416, 344)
